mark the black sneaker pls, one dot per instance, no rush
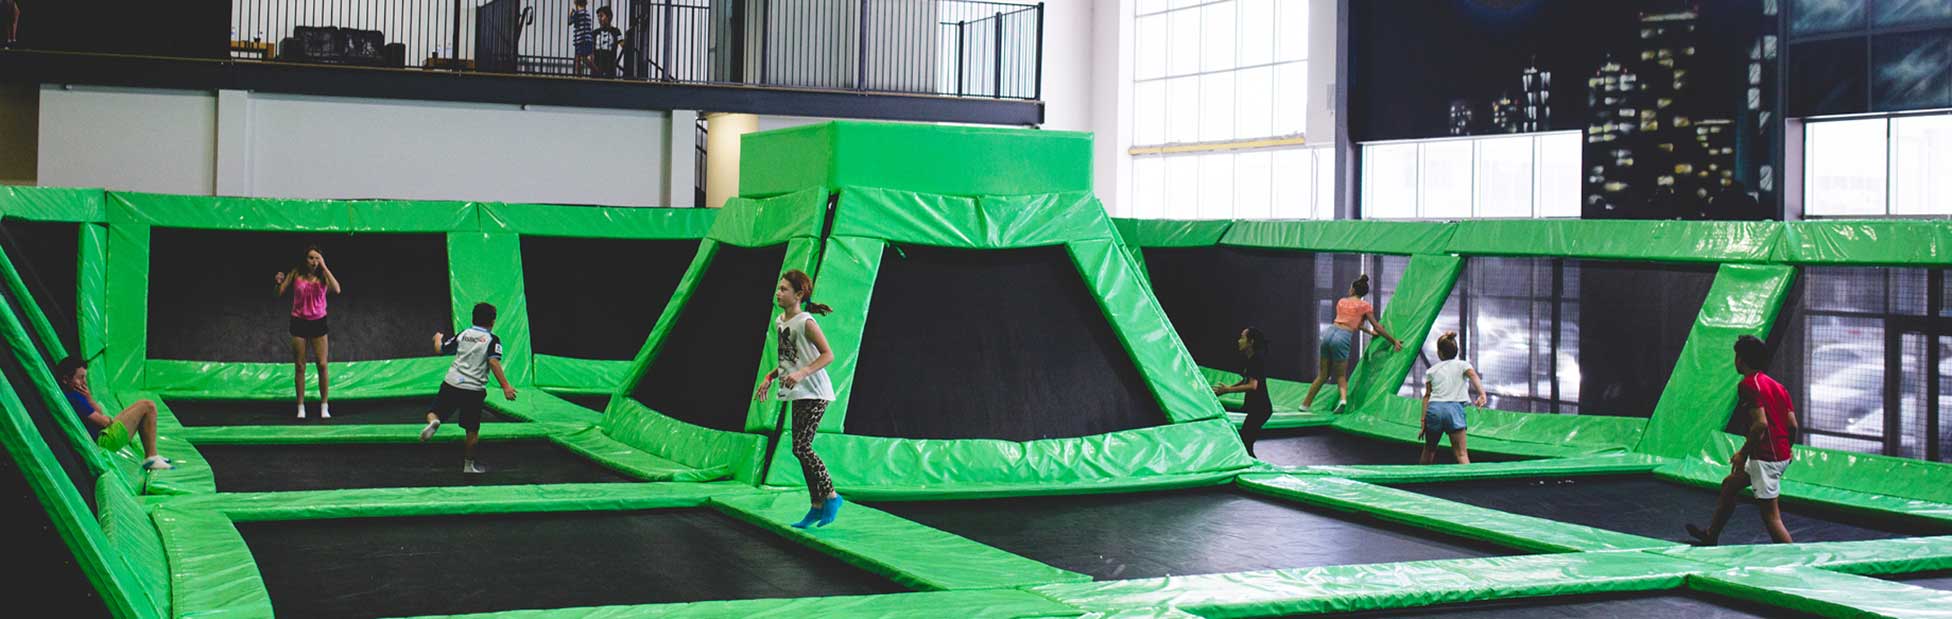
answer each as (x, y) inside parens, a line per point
(1700, 537)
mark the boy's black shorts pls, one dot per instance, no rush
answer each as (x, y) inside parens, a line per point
(606, 63)
(468, 401)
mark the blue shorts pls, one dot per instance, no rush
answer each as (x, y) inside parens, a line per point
(585, 50)
(1336, 342)
(1443, 417)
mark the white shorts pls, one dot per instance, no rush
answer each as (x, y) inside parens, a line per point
(1766, 477)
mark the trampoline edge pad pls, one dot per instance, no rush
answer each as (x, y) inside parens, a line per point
(1825, 593)
(1506, 529)
(1352, 588)
(868, 463)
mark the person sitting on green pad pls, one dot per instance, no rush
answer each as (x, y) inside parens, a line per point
(111, 433)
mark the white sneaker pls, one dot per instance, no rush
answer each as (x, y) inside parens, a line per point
(471, 468)
(428, 432)
(157, 463)
(325, 411)
(301, 411)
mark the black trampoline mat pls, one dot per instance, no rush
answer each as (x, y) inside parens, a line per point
(47, 255)
(593, 402)
(1326, 446)
(273, 468)
(396, 567)
(212, 294)
(1181, 532)
(1929, 580)
(1661, 605)
(411, 410)
(1645, 506)
(576, 308)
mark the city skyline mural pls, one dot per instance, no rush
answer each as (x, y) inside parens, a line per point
(1675, 99)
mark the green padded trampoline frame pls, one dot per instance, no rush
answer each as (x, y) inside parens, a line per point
(164, 544)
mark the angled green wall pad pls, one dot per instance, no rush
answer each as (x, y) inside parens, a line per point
(1674, 241)
(1369, 237)
(1826, 593)
(597, 221)
(1700, 393)
(965, 161)
(1420, 295)
(52, 204)
(1353, 588)
(1897, 242)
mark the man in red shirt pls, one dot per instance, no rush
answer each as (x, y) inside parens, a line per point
(1760, 463)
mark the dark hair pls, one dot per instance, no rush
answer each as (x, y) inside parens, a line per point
(1257, 341)
(1361, 285)
(603, 10)
(1752, 352)
(66, 369)
(304, 260)
(484, 315)
(1447, 346)
(803, 284)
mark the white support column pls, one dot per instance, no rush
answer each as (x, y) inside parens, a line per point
(680, 161)
(234, 143)
(722, 155)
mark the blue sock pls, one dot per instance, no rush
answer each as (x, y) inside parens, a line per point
(829, 510)
(813, 514)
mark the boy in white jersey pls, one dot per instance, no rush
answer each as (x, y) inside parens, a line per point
(1444, 398)
(477, 352)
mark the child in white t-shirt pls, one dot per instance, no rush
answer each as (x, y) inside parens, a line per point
(1444, 397)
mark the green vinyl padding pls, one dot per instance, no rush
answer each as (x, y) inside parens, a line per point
(837, 196)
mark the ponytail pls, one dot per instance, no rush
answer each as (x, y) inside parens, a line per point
(803, 284)
(1447, 346)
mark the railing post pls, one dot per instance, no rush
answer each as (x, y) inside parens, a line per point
(456, 50)
(765, 40)
(861, 50)
(1037, 88)
(996, 86)
(665, 66)
(962, 56)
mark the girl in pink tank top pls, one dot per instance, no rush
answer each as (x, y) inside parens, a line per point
(1338, 339)
(309, 282)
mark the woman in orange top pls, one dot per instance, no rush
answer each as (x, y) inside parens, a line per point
(1352, 314)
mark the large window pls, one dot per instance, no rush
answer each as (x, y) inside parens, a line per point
(1553, 335)
(1880, 166)
(1219, 95)
(1514, 176)
(1866, 353)
(1287, 183)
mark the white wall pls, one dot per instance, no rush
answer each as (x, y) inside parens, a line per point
(248, 144)
(127, 139)
(1070, 65)
(311, 147)
(1111, 97)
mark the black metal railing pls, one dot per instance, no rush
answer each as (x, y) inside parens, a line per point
(699, 135)
(950, 47)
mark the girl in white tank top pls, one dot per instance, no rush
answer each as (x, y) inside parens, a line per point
(802, 375)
